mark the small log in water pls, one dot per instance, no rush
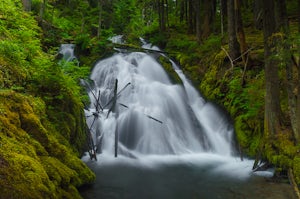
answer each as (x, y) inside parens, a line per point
(119, 93)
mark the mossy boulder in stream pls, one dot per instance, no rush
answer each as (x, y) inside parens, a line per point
(165, 62)
(33, 161)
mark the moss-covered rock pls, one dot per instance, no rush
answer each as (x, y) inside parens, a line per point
(165, 62)
(34, 164)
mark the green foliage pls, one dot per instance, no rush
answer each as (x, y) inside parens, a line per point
(42, 126)
(296, 168)
(16, 29)
(212, 43)
(156, 37)
(123, 13)
(73, 70)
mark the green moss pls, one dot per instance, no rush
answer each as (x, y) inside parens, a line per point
(33, 162)
(42, 127)
(249, 134)
(59, 173)
(21, 171)
(169, 69)
(296, 168)
(209, 83)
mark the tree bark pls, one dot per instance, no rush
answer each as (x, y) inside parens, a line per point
(161, 15)
(99, 18)
(27, 5)
(234, 47)
(166, 6)
(272, 103)
(209, 14)
(297, 133)
(258, 13)
(182, 10)
(190, 17)
(240, 29)
(299, 16)
(223, 14)
(283, 26)
(198, 19)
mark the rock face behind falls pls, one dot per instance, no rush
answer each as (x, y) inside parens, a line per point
(36, 158)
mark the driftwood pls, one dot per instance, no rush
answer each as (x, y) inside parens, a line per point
(92, 150)
(115, 108)
(262, 167)
(119, 93)
(92, 147)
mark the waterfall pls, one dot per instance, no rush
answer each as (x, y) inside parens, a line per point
(172, 143)
(67, 51)
(153, 115)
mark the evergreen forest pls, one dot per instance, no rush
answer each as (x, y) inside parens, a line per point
(241, 54)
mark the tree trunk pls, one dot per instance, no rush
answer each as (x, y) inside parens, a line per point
(223, 14)
(283, 26)
(166, 6)
(99, 18)
(182, 10)
(209, 12)
(239, 27)
(299, 16)
(27, 5)
(190, 17)
(297, 133)
(234, 47)
(161, 15)
(258, 13)
(186, 10)
(198, 19)
(272, 103)
(42, 9)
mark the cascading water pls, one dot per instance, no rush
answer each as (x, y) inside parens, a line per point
(67, 50)
(187, 123)
(171, 142)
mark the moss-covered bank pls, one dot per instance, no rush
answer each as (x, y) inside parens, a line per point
(42, 126)
(34, 161)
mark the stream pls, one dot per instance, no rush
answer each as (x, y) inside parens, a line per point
(198, 176)
(170, 142)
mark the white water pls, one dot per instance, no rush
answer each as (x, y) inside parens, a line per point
(189, 124)
(67, 50)
(187, 133)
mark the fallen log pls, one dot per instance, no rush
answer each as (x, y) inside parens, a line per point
(137, 48)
